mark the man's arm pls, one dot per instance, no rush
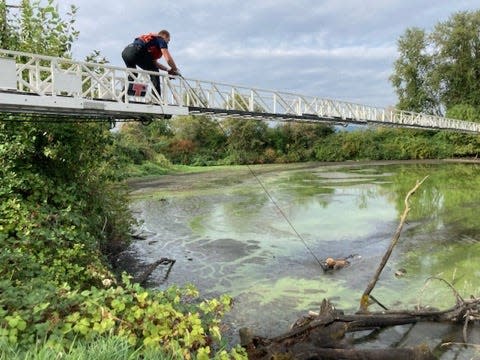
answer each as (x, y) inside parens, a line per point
(160, 66)
(169, 59)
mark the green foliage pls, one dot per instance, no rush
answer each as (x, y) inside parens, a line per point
(6, 32)
(136, 143)
(440, 70)
(396, 144)
(107, 348)
(145, 319)
(412, 76)
(296, 141)
(104, 348)
(58, 201)
(59, 211)
(62, 210)
(464, 112)
(201, 141)
(246, 139)
(457, 43)
(198, 140)
(38, 28)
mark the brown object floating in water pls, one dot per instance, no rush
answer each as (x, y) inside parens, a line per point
(335, 264)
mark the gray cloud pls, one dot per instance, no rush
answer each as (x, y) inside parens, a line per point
(336, 49)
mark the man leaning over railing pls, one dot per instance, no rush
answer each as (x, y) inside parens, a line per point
(145, 51)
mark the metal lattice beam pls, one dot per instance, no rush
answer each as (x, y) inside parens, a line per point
(38, 83)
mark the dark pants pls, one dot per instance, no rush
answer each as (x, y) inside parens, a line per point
(133, 56)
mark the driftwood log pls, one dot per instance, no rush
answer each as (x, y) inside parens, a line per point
(323, 336)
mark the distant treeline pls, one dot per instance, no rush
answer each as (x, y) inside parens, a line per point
(200, 141)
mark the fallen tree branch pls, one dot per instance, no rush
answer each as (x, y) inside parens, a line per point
(364, 301)
(458, 297)
(324, 334)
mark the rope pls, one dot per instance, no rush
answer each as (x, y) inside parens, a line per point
(278, 206)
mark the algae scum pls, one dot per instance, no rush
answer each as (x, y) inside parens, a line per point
(227, 236)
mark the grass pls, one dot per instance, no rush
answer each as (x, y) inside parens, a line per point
(104, 348)
(149, 169)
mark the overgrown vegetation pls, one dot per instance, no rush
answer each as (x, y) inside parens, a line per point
(62, 213)
(201, 140)
(148, 151)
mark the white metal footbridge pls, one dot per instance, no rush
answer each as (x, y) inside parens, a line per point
(39, 84)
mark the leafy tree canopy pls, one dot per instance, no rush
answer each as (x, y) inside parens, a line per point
(37, 28)
(440, 70)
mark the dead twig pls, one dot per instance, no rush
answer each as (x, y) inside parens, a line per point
(476, 346)
(458, 297)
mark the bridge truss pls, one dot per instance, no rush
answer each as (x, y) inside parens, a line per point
(31, 83)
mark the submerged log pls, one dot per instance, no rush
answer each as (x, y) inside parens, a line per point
(142, 278)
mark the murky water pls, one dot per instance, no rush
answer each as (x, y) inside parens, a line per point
(228, 236)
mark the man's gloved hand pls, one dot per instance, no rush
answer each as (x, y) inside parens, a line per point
(173, 72)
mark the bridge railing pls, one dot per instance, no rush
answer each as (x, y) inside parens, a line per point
(49, 76)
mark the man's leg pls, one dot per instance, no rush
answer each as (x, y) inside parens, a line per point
(156, 82)
(130, 56)
(147, 63)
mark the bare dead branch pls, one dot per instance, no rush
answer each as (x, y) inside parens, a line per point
(366, 294)
(458, 297)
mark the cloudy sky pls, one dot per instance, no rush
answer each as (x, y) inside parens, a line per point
(338, 49)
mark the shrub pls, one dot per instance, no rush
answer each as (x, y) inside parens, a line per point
(173, 321)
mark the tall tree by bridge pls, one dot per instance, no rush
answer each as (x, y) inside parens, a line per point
(439, 72)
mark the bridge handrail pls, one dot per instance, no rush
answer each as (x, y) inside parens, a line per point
(51, 76)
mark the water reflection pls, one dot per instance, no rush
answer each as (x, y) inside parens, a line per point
(234, 240)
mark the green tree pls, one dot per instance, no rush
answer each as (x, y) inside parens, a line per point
(38, 28)
(6, 32)
(296, 141)
(464, 112)
(412, 75)
(246, 141)
(203, 135)
(204, 131)
(457, 44)
(438, 71)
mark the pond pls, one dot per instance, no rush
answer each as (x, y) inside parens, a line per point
(257, 234)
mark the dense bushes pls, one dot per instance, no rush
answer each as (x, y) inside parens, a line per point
(61, 211)
(396, 144)
(200, 140)
(57, 192)
(203, 141)
(169, 321)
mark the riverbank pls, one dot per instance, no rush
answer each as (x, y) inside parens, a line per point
(202, 177)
